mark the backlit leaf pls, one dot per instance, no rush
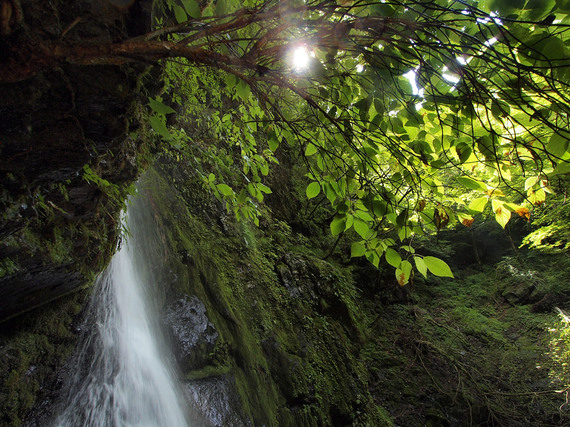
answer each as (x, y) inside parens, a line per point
(403, 273)
(313, 190)
(421, 265)
(471, 183)
(226, 190)
(311, 149)
(557, 145)
(357, 249)
(393, 258)
(478, 205)
(338, 225)
(466, 220)
(361, 227)
(437, 266)
(502, 214)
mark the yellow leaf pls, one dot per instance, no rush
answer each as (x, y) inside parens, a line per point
(502, 215)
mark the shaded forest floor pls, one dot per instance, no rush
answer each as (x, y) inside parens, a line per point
(474, 350)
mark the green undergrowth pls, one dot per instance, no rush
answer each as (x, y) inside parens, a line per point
(460, 354)
(313, 338)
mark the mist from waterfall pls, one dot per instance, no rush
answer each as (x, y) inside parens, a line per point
(120, 376)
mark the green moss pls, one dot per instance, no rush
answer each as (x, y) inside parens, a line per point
(8, 266)
(294, 360)
(208, 371)
(31, 349)
(473, 322)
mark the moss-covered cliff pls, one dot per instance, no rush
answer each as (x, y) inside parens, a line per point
(309, 341)
(268, 330)
(288, 324)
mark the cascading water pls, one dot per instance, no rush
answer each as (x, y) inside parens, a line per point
(120, 377)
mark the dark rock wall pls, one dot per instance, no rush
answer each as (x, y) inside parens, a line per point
(58, 219)
(56, 227)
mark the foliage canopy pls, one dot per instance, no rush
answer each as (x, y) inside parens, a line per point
(411, 116)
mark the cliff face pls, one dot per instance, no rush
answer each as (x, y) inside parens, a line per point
(68, 151)
(65, 158)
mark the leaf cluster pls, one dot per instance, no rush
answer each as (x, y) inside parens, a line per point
(412, 116)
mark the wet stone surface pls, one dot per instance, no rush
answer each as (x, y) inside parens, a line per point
(193, 334)
(216, 398)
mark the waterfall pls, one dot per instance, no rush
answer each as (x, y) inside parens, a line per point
(119, 376)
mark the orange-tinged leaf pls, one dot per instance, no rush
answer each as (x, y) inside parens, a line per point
(537, 197)
(495, 192)
(403, 273)
(402, 279)
(421, 205)
(523, 212)
(466, 220)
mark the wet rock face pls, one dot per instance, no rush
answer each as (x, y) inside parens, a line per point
(53, 223)
(193, 334)
(217, 400)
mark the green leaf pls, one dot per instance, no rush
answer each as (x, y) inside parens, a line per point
(421, 266)
(361, 227)
(338, 225)
(393, 258)
(242, 196)
(349, 221)
(311, 149)
(179, 14)
(313, 190)
(264, 188)
(243, 90)
(208, 11)
(478, 205)
(403, 273)
(557, 145)
(222, 7)
(363, 215)
(537, 197)
(159, 107)
(463, 152)
(159, 127)
(373, 257)
(531, 182)
(230, 80)
(357, 249)
(192, 8)
(471, 183)
(273, 142)
(437, 267)
(226, 190)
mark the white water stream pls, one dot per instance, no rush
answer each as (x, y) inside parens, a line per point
(120, 377)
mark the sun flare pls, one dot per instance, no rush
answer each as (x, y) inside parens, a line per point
(300, 58)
